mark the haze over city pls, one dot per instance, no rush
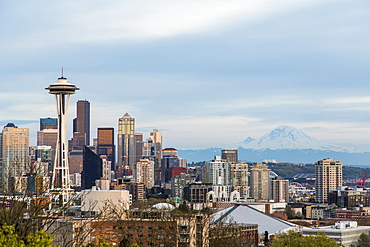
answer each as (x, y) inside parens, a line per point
(205, 73)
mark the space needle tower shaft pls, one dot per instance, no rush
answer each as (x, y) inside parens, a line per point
(62, 91)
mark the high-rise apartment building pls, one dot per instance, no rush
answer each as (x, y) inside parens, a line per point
(83, 119)
(260, 175)
(230, 156)
(239, 178)
(279, 190)
(105, 144)
(328, 178)
(145, 172)
(217, 172)
(126, 144)
(14, 153)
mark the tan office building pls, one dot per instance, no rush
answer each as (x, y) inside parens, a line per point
(14, 148)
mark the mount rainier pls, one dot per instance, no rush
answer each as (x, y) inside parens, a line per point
(288, 137)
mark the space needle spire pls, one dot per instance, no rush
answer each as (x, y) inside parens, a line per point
(60, 185)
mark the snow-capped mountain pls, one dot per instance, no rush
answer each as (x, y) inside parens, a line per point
(288, 137)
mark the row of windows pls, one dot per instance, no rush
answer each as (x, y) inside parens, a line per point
(130, 228)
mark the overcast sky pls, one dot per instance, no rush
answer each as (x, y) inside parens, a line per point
(205, 73)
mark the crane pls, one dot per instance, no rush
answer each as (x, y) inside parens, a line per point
(362, 181)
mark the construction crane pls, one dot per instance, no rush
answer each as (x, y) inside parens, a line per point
(362, 181)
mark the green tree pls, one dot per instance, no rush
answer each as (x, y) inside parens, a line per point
(39, 239)
(289, 212)
(363, 240)
(8, 237)
(295, 239)
(184, 207)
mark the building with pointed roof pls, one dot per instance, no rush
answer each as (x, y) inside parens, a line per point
(126, 145)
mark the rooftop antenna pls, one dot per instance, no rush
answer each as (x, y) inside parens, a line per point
(62, 74)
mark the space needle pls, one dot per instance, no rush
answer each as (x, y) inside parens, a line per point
(60, 186)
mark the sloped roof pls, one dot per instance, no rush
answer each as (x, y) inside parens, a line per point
(244, 214)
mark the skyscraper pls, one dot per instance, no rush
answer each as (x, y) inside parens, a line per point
(105, 144)
(139, 146)
(145, 172)
(168, 161)
(62, 91)
(230, 156)
(83, 119)
(14, 155)
(156, 151)
(239, 178)
(156, 136)
(94, 168)
(328, 178)
(48, 134)
(47, 137)
(48, 123)
(260, 175)
(126, 145)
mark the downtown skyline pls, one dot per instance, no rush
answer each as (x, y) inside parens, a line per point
(206, 74)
